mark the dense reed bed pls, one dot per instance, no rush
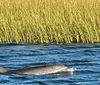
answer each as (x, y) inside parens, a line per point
(49, 21)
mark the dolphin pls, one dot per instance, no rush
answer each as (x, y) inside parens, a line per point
(40, 70)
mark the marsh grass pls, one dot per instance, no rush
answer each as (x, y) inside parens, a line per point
(49, 21)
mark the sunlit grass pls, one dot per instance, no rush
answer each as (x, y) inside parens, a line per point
(49, 21)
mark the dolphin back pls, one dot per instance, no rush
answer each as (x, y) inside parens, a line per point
(3, 70)
(41, 70)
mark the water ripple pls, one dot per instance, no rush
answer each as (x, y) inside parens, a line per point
(84, 57)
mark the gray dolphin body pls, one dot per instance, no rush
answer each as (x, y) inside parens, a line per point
(40, 70)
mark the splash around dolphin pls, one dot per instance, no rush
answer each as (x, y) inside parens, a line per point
(40, 70)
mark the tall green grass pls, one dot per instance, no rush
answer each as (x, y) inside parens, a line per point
(49, 21)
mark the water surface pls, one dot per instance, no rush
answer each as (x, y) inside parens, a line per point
(84, 57)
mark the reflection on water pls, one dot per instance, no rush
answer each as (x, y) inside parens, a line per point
(84, 57)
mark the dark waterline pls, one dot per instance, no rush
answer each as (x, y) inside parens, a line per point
(84, 57)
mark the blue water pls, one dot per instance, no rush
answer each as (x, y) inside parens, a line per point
(84, 57)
